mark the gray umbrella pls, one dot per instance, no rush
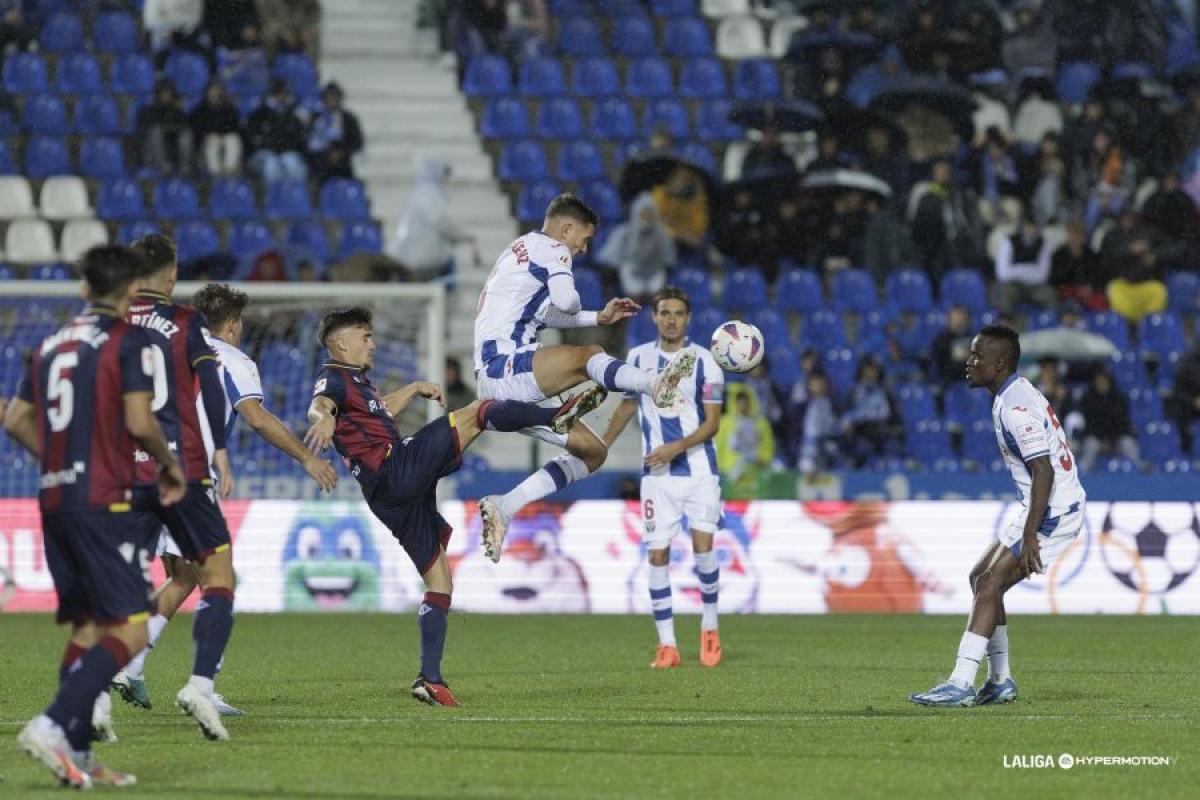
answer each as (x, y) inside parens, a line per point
(846, 179)
(1067, 344)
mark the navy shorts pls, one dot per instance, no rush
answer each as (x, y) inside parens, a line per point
(195, 522)
(100, 563)
(405, 494)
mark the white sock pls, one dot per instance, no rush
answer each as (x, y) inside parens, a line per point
(205, 685)
(660, 603)
(997, 653)
(710, 576)
(970, 653)
(617, 376)
(136, 667)
(562, 470)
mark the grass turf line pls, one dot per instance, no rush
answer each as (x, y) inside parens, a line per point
(558, 706)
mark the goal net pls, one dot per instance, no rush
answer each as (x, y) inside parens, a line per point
(280, 334)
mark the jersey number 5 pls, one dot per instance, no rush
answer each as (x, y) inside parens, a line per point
(1064, 460)
(60, 391)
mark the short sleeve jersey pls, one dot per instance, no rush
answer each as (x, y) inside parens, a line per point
(364, 432)
(1026, 428)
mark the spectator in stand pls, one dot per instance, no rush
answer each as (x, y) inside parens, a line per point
(334, 136)
(745, 444)
(426, 233)
(997, 173)
(165, 133)
(1038, 114)
(767, 156)
(816, 426)
(16, 32)
(458, 394)
(991, 105)
(1023, 270)
(1075, 270)
(1048, 202)
(233, 24)
(175, 23)
(1107, 424)
(1052, 386)
(1033, 45)
(950, 348)
(886, 243)
(759, 380)
(683, 207)
(291, 26)
(215, 125)
(866, 424)
(1137, 291)
(640, 250)
(1185, 400)
(528, 27)
(275, 137)
(1172, 213)
(946, 228)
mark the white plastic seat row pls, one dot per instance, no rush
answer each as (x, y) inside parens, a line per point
(31, 241)
(62, 197)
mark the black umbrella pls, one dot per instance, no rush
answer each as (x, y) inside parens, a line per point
(805, 42)
(845, 180)
(851, 125)
(790, 115)
(807, 7)
(943, 96)
(643, 173)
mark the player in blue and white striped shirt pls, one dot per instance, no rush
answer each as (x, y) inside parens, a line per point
(679, 477)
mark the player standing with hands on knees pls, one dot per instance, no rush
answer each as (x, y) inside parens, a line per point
(1052, 499)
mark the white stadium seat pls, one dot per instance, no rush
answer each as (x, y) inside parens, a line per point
(741, 37)
(65, 197)
(724, 8)
(782, 32)
(79, 235)
(30, 241)
(16, 198)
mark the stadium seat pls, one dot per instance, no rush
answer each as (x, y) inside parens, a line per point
(1110, 325)
(505, 118)
(963, 287)
(580, 161)
(579, 37)
(176, 199)
(704, 321)
(7, 165)
(487, 76)
(670, 115)
(8, 125)
(909, 290)
(29, 241)
(97, 115)
(523, 161)
(1159, 335)
(771, 324)
(566, 8)
(694, 281)
(299, 72)
(633, 37)
(232, 198)
(853, 290)
(823, 330)
(360, 237)
(979, 443)
(648, 78)
(25, 73)
(130, 232)
(1128, 371)
(641, 329)
(1183, 291)
(699, 155)
(541, 76)
(196, 239)
(591, 291)
(46, 156)
(50, 272)
(187, 72)
(840, 366)
(604, 200)
(248, 83)
(782, 32)
(914, 402)
(756, 79)
(614, 119)
(595, 77)
(533, 199)
(673, 8)
(1075, 81)
(745, 289)
(16, 198)
(1042, 320)
(250, 239)
(45, 115)
(799, 290)
(61, 33)
(132, 74)
(64, 197)
(1145, 406)
(560, 118)
(702, 79)
(713, 125)
(115, 32)
(714, 9)
(740, 37)
(344, 199)
(120, 199)
(965, 405)
(783, 365)
(78, 73)
(687, 37)
(1159, 442)
(102, 157)
(288, 200)
(309, 236)
(79, 235)
(927, 441)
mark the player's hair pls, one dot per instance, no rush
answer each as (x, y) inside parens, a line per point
(340, 318)
(1007, 337)
(569, 206)
(220, 304)
(158, 251)
(111, 268)
(670, 293)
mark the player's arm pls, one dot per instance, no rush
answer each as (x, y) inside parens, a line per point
(662, 455)
(398, 400)
(620, 418)
(19, 423)
(322, 413)
(205, 364)
(271, 428)
(1041, 475)
(143, 427)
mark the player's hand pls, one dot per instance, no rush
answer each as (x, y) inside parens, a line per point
(322, 472)
(224, 473)
(432, 391)
(320, 434)
(663, 455)
(1030, 559)
(617, 309)
(171, 483)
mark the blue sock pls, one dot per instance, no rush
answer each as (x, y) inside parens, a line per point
(70, 657)
(72, 706)
(211, 629)
(512, 415)
(432, 620)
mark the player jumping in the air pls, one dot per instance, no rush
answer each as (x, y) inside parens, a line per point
(531, 287)
(399, 475)
(680, 475)
(83, 403)
(1037, 455)
(222, 308)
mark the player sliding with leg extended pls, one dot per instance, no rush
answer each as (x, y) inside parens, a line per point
(399, 475)
(531, 288)
(222, 307)
(680, 474)
(1043, 469)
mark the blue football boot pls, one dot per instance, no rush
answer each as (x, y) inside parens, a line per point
(948, 694)
(1003, 692)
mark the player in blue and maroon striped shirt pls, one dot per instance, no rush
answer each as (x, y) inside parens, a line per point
(399, 475)
(84, 402)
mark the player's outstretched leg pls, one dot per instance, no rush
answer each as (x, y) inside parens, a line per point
(430, 687)
(561, 367)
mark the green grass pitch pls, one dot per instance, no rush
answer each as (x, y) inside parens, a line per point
(565, 707)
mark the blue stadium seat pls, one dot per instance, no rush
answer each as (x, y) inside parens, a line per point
(1145, 406)
(50, 272)
(756, 79)
(133, 74)
(533, 199)
(713, 125)
(541, 76)
(579, 37)
(97, 115)
(311, 236)
(703, 78)
(1128, 371)
(910, 290)
(232, 198)
(505, 118)
(567, 8)
(853, 290)
(604, 200)
(1042, 320)
(360, 237)
(927, 441)
(249, 82)
(1183, 291)
(979, 443)
(633, 37)
(823, 330)
(560, 118)
(250, 239)
(699, 155)
(78, 73)
(176, 199)
(46, 156)
(120, 199)
(61, 33)
(580, 161)
(595, 77)
(614, 119)
(196, 239)
(783, 365)
(965, 405)
(673, 8)
(694, 281)
(649, 78)
(187, 72)
(1110, 325)
(771, 324)
(1076, 79)
(102, 157)
(288, 200)
(964, 287)
(7, 165)
(299, 72)
(25, 73)
(344, 199)
(1159, 442)
(487, 76)
(702, 325)
(1160, 335)
(523, 161)
(913, 403)
(130, 232)
(670, 115)
(687, 37)
(115, 32)
(8, 125)
(641, 329)
(45, 115)
(840, 366)
(800, 290)
(745, 289)
(590, 288)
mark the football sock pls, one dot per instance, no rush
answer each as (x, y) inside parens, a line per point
(660, 603)
(710, 575)
(617, 376)
(211, 629)
(562, 470)
(970, 653)
(432, 621)
(154, 629)
(70, 658)
(997, 653)
(512, 415)
(72, 706)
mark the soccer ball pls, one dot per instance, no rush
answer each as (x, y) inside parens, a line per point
(737, 346)
(1151, 546)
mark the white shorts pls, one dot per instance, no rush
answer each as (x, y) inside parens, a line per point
(1054, 536)
(166, 545)
(667, 499)
(516, 383)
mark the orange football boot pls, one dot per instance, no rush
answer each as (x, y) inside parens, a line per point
(666, 657)
(710, 648)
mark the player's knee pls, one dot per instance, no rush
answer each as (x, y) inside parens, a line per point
(659, 558)
(587, 352)
(589, 449)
